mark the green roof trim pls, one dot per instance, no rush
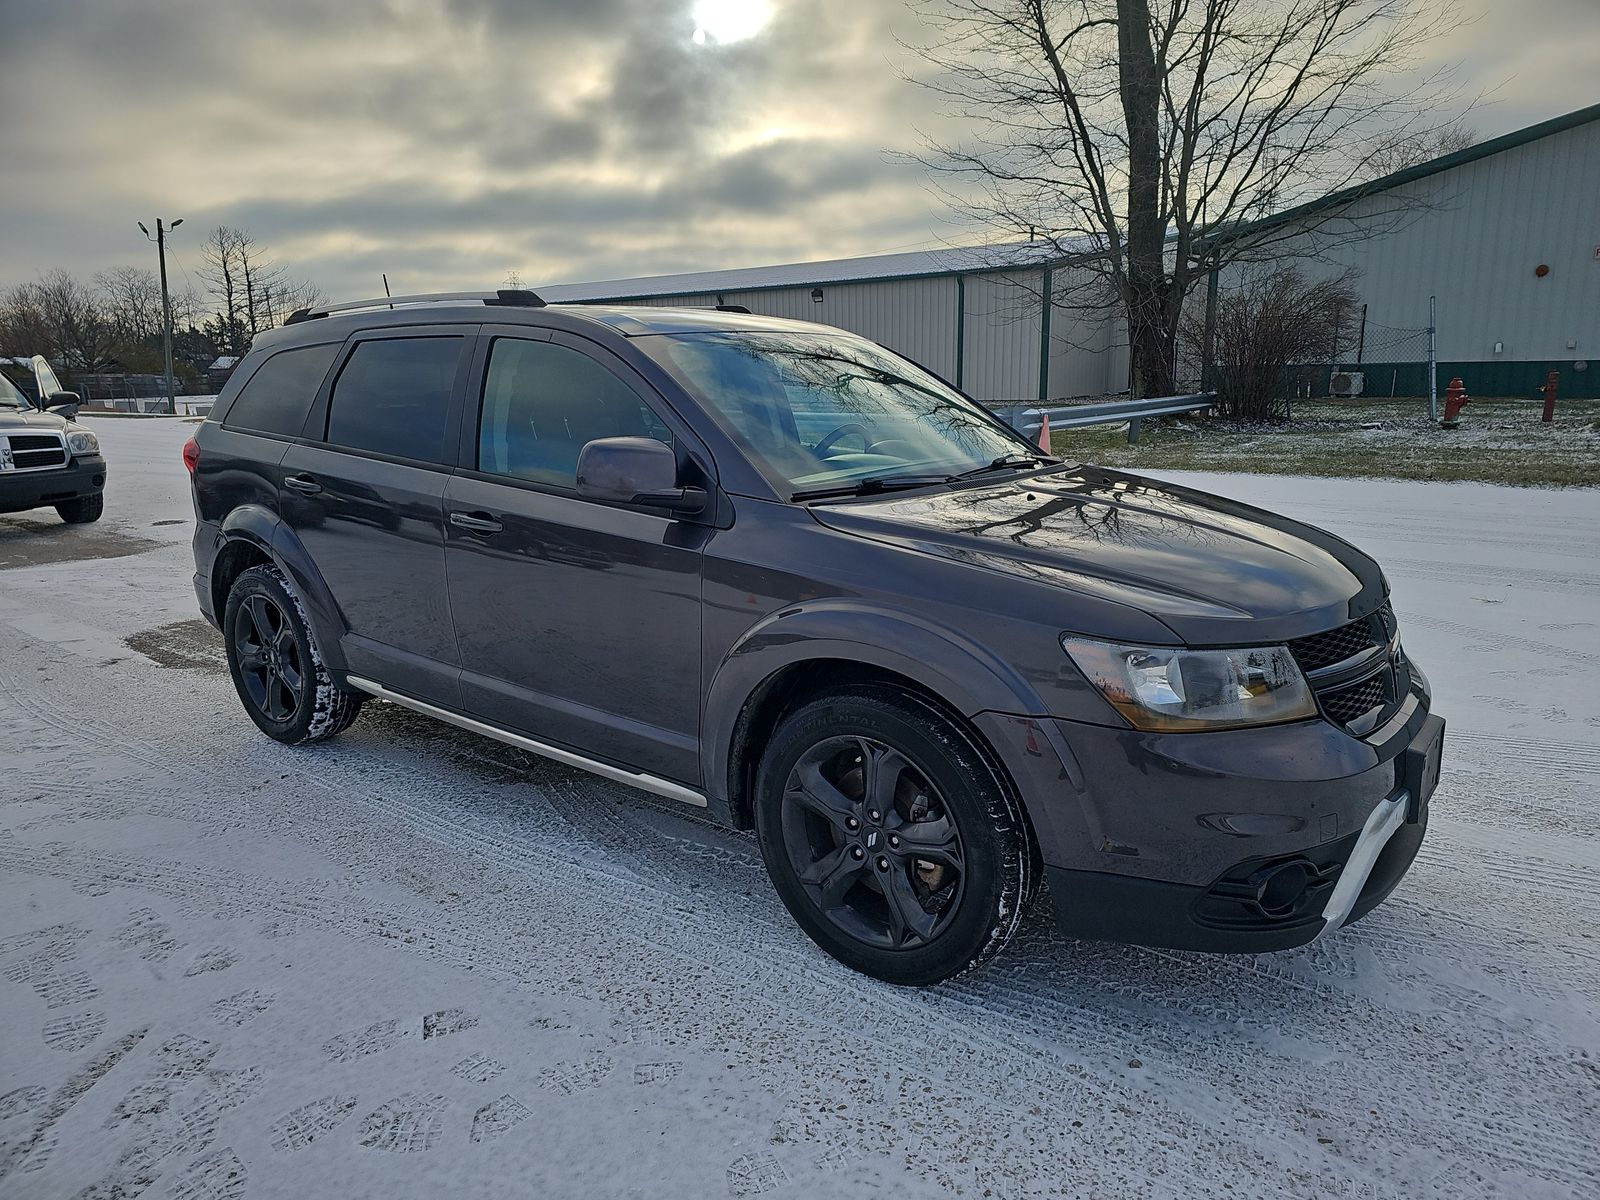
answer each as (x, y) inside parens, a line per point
(1434, 166)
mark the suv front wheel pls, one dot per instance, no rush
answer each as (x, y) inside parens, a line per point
(888, 837)
(276, 667)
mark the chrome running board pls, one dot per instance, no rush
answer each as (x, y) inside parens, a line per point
(645, 783)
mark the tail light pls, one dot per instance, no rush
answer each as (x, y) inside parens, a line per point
(191, 455)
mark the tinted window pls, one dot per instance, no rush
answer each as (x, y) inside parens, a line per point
(393, 396)
(278, 396)
(542, 403)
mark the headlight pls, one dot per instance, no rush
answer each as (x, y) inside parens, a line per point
(1159, 688)
(81, 441)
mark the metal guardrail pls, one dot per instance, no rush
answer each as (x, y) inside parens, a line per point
(1026, 418)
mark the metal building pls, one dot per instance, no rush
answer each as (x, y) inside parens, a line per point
(975, 315)
(1505, 234)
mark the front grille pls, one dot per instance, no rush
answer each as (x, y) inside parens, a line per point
(1324, 649)
(1346, 701)
(1346, 704)
(32, 450)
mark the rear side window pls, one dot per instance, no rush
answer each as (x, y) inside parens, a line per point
(542, 403)
(277, 397)
(393, 397)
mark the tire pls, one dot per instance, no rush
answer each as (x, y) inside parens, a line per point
(82, 510)
(917, 920)
(270, 649)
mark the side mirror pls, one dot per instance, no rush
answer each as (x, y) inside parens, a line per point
(63, 404)
(635, 470)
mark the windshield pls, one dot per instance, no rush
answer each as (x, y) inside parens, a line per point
(10, 397)
(816, 411)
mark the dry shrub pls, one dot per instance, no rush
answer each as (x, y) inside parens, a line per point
(1270, 323)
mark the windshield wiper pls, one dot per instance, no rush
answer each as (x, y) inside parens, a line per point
(871, 485)
(1008, 462)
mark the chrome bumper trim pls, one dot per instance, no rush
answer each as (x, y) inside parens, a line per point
(645, 783)
(1375, 834)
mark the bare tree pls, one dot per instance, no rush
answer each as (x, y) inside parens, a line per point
(224, 276)
(1427, 145)
(1139, 138)
(251, 291)
(24, 329)
(133, 302)
(291, 295)
(61, 317)
(1272, 321)
(187, 308)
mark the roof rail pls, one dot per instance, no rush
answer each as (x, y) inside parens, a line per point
(738, 308)
(503, 298)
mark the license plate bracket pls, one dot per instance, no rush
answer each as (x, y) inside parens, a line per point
(1419, 771)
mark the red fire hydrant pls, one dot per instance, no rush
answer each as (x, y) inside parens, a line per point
(1455, 399)
(1552, 381)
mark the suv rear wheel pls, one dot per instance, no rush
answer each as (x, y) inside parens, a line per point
(889, 838)
(276, 667)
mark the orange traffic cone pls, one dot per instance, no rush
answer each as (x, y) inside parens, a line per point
(1044, 433)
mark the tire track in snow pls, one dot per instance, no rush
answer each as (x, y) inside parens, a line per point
(809, 995)
(1531, 578)
(1484, 636)
(1578, 758)
(739, 957)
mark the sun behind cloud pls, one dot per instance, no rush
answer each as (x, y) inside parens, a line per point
(725, 21)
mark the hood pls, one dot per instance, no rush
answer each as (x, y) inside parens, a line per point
(1214, 571)
(13, 419)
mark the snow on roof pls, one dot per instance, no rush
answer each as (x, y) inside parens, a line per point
(226, 362)
(909, 264)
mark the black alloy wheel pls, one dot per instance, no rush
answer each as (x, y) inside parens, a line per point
(282, 680)
(270, 667)
(890, 834)
(872, 843)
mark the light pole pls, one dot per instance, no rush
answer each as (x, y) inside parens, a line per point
(160, 240)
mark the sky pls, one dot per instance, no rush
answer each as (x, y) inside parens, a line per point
(451, 142)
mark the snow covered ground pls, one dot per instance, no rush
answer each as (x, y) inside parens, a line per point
(413, 963)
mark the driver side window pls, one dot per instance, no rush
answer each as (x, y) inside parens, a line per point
(542, 403)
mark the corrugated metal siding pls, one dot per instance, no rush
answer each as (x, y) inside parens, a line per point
(948, 260)
(1083, 338)
(914, 317)
(918, 318)
(1002, 344)
(1486, 226)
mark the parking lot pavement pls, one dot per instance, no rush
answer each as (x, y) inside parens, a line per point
(415, 963)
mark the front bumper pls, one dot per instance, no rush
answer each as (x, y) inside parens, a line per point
(1244, 841)
(1347, 879)
(22, 490)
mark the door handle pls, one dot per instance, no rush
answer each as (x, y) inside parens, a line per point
(476, 521)
(303, 484)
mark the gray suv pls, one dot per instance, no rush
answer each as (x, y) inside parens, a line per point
(774, 570)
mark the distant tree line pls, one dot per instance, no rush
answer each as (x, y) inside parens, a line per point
(112, 322)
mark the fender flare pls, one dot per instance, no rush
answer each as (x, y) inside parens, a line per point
(942, 659)
(269, 533)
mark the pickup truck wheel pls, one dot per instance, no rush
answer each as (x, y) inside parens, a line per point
(889, 839)
(276, 666)
(82, 510)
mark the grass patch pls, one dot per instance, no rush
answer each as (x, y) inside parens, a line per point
(1499, 441)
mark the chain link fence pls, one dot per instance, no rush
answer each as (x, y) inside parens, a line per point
(1376, 360)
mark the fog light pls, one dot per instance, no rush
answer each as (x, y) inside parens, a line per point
(1279, 889)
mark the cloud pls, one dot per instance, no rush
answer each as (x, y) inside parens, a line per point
(449, 141)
